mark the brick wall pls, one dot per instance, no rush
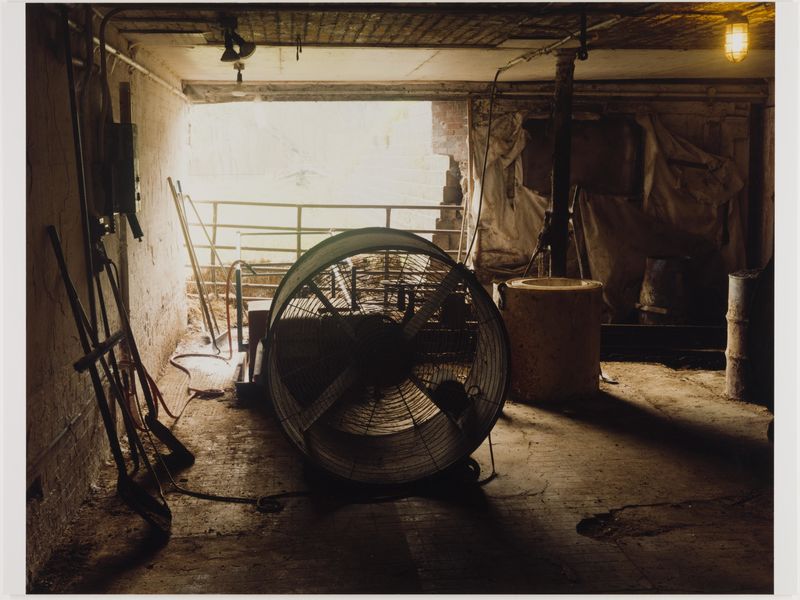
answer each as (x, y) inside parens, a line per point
(65, 442)
(156, 268)
(450, 130)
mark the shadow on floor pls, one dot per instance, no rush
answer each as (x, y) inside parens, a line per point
(92, 566)
(460, 485)
(463, 541)
(623, 417)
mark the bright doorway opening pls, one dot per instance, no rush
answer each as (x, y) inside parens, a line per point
(269, 180)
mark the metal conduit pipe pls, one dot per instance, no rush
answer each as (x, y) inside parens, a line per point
(555, 45)
(132, 63)
(549, 48)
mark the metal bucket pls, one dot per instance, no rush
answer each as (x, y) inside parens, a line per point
(665, 295)
(738, 373)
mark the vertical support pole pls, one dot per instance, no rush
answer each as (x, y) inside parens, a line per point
(755, 190)
(239, 309)
(86, 218)
(466, 202)
(562, 154)
(125, 116)
(386, 260)
(239, 302)
(299, 232)
(353, 289)
(214, 245)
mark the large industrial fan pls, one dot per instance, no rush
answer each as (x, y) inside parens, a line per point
(385, 360)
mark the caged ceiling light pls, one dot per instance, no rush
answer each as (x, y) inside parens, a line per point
(245, 48)
(736, 37)
(230, 55)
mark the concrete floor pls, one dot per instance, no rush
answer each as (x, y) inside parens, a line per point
(658, 484)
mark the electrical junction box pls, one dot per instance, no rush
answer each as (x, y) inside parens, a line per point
(123, 196)
(123, 169)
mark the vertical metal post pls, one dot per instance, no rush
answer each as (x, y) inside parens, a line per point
(755, 191)
(299, 232)
(562, 154)
(86, 217)
(386, 259)
(214, 245)
(125, 116)
(239, 301)
(353, 289)
(467, 200)
(239, 309)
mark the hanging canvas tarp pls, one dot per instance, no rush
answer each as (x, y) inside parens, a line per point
(689, 207)
(511, 215)
(693, 190)
(619, 237)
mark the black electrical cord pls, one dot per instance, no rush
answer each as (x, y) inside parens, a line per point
(265, 504)
(270, 503)
(485, 159)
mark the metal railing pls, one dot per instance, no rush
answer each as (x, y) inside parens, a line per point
(300, 234)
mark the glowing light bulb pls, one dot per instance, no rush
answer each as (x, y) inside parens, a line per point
(736, 38)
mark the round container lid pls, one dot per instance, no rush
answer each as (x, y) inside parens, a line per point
(745, 274)
(553, 283)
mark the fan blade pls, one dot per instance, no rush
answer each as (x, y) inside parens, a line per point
(348, 329)
(432, 304)
(327, 398)
(432, 397)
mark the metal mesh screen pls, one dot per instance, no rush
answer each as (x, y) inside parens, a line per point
(386, 361)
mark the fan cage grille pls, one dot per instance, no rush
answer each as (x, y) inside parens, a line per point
(387, 365)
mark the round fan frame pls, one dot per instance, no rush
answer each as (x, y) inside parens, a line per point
(454, 407)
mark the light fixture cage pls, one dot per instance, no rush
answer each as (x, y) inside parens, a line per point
(736, 37)
(386, 362)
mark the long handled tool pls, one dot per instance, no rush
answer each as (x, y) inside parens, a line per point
(155, 511)
(179, 456)
(208, 316)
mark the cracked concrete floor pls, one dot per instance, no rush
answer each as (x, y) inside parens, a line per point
(657, 484)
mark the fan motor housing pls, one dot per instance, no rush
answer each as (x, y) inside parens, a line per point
(382, 355)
